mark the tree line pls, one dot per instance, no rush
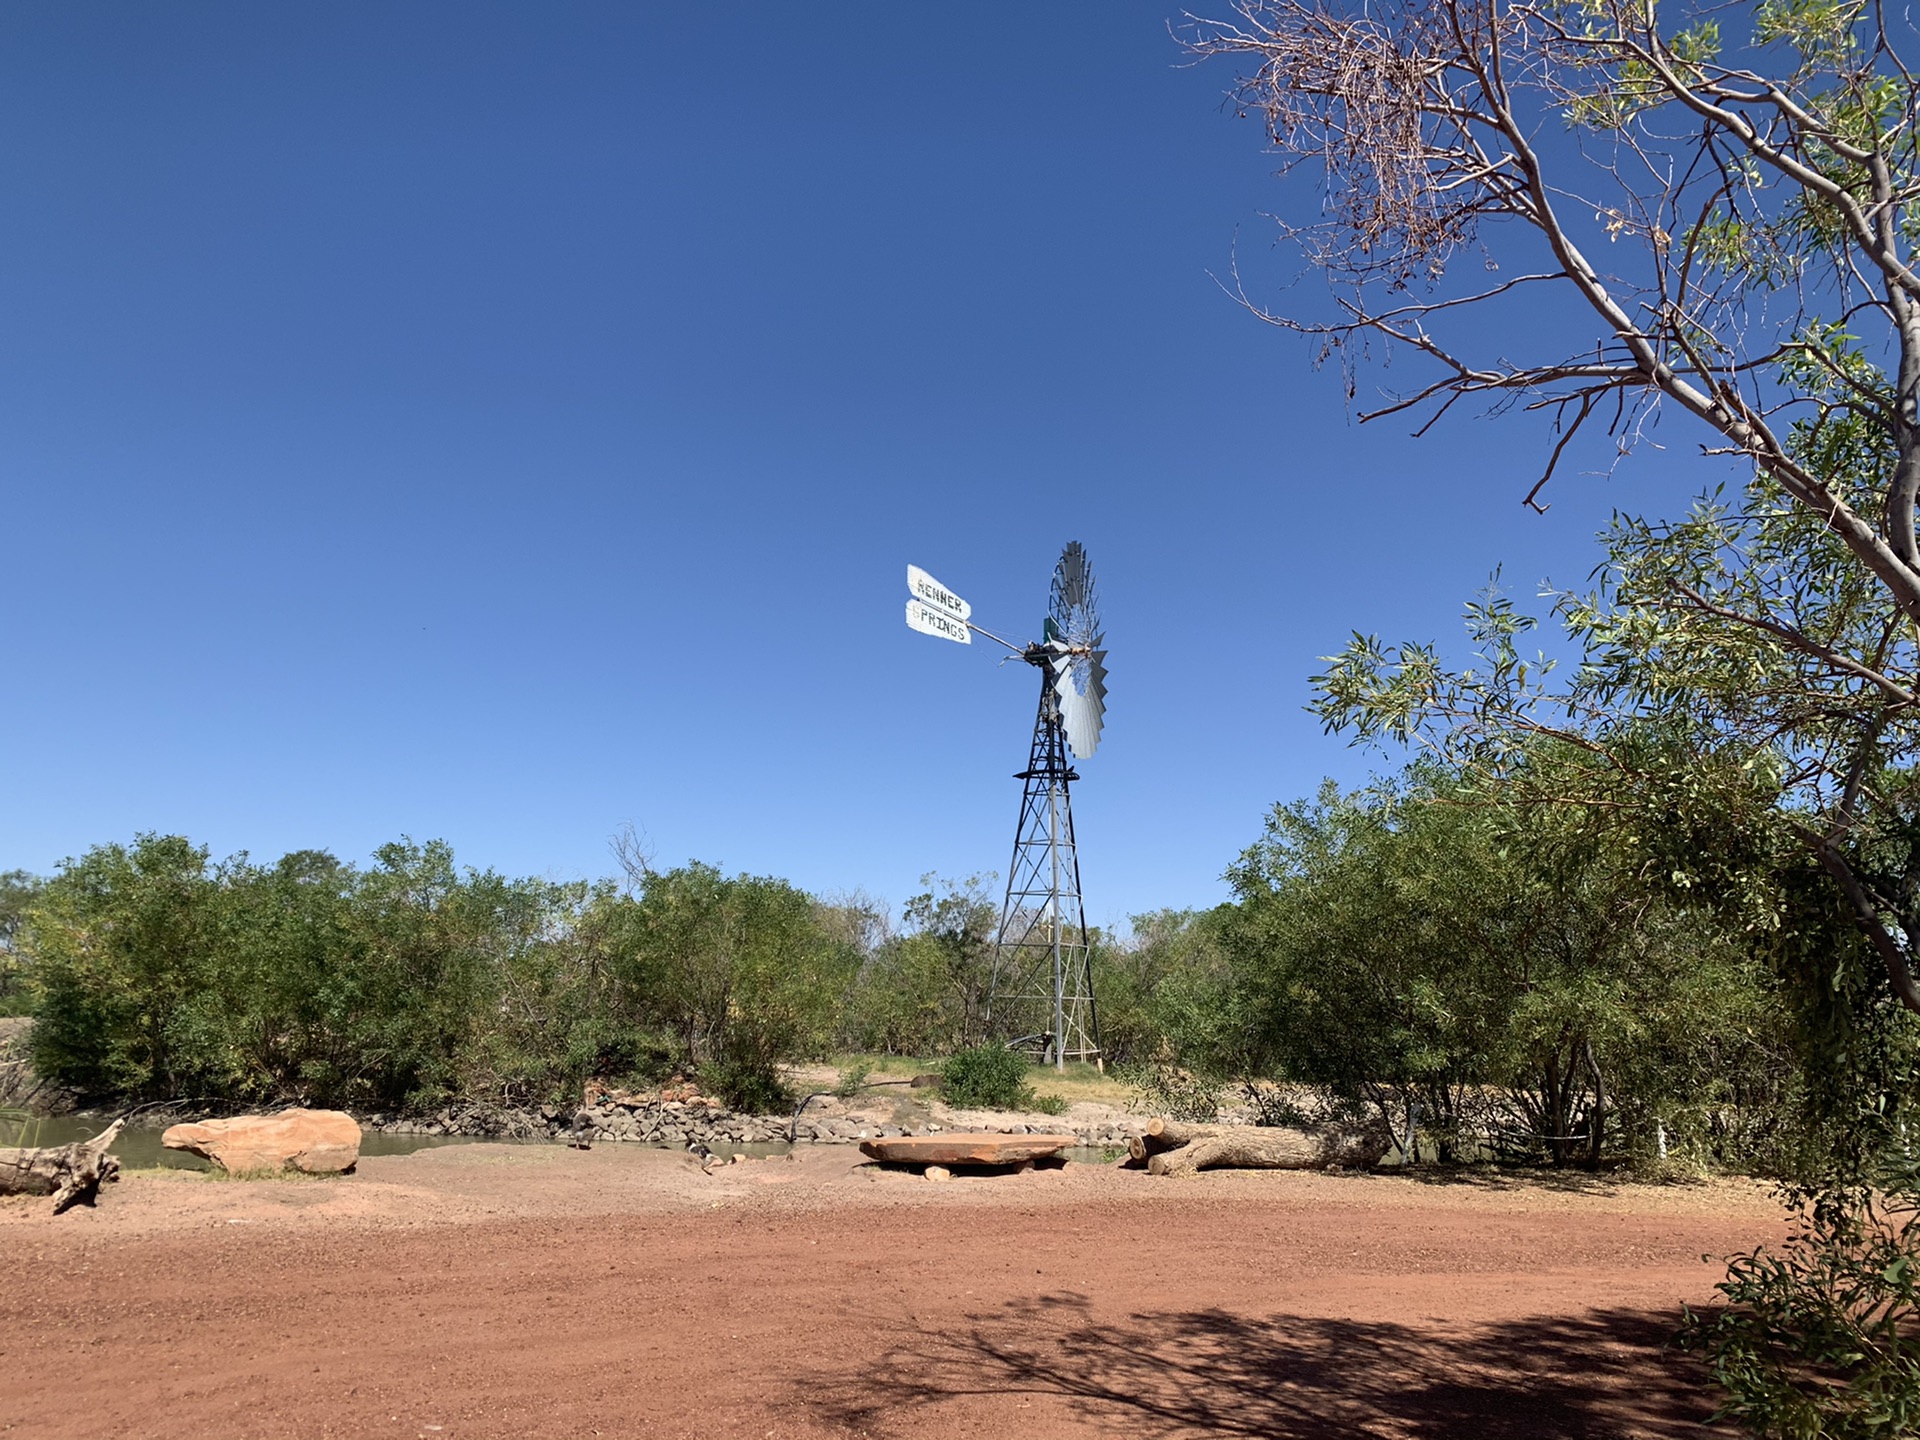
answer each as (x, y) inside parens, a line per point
(1490, 980)
(155, 971)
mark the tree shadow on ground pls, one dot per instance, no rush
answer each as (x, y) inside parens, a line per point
(1605, 1375)
(1491, 1176)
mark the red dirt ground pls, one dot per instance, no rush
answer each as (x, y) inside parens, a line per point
(495, 1291)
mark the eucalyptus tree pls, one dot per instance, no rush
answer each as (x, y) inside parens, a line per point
(1749, 673)
(1421, 944)
(17, 891)
(1692, 210)
(923, 991)
(743, 967)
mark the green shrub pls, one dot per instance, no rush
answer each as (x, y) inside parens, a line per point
(924, 991)
(852, 1079)
(749, 1085)
(987, 1077)
(1821, 1339)
(18, 890)
(742, 967)
(1048, 1104)
(1163, 1089)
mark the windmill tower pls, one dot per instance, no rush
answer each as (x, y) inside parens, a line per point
(1042, 992)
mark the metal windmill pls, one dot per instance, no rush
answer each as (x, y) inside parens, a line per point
(1042, 994)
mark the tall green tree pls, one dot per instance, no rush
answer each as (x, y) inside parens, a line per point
(1749, 675)
(124, 946)
(744, 970)
(1421, 949)
(924, 991)
(1161, 990)
(17, 891)
(1750, 177)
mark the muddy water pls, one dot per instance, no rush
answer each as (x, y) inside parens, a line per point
(140, 1149)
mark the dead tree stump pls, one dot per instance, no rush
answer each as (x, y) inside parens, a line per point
(69, 1173)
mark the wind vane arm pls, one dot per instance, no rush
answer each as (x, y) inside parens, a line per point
(982, 630)
(935, 610)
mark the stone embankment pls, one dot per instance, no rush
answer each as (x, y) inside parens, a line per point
(683, 1117)
(647, 1120)
(678, 1115)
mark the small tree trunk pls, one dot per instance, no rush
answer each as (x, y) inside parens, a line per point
(69, 1173)
(1597, 1120)
(1446, 1112)
(1556, 1123)
(1162, 1135)
(1262, 1147)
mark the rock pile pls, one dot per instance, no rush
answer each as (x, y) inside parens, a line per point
(545, 1122)
(678, 1115)
(1094, 1134)
(1097, 1127)
(657, 1120)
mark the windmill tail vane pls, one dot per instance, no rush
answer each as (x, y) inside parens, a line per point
(1042, 997)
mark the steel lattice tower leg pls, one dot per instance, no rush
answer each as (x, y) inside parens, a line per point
(1042, 989)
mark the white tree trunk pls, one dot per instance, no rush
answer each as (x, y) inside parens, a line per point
(1179, 1147)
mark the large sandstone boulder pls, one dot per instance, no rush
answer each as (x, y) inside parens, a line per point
(318, 1142)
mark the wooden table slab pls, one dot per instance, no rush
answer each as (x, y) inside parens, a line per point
(966, 1148)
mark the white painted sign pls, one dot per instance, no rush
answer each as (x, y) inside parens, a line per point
(923, 586)
(929, 621)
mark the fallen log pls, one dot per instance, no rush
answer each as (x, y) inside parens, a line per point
(1178, 1147)
(1163, 1134)
(70, 1173)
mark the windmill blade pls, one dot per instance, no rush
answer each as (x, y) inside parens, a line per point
(1079, 665)
(1072, 607)
(1080, 690)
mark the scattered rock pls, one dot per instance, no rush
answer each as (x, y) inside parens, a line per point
(937, 1172)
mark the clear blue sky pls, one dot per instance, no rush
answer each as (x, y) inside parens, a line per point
(505, 422)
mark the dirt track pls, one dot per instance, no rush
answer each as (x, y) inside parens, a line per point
(485, 1291)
